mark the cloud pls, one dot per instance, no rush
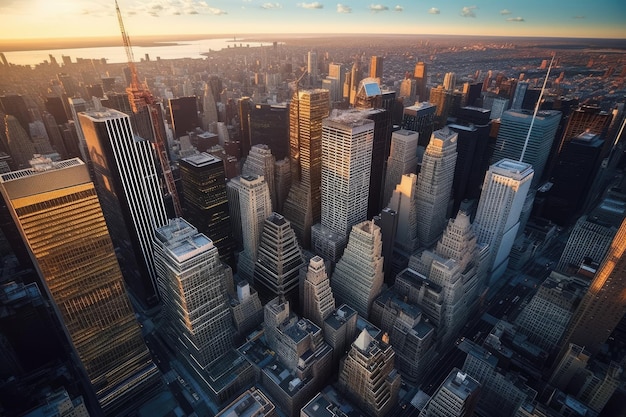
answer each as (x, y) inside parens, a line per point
(378, 8)
(269, 6)
(578, 17)
(342, 8)
(468, 11)
(158, 8)
(314, 5)
(434, 10)
(505, 11)
(515, 19)
(398, 8)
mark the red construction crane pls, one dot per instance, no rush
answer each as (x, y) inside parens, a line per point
(140, 97)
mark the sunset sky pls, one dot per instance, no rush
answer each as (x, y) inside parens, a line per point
(21, 19)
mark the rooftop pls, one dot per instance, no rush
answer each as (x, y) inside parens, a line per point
(201, 159)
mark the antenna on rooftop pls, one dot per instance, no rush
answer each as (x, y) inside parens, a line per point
(532, 121)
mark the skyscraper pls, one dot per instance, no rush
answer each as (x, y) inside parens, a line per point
(128, 185)
(442, 100)
(376, 68)
(404, 202)
(434, 185)
(604, 304)
(261, 162)
(279, 260)
(420, 75)
(420, 118)
(196, 314)
(184, 114)
(205, 202)
(358, 276)
(209, 108)
(21, 147)
(269, 125)
(60, 219)
(402, 160)
(312, 68)
(303, 205)
(318, 300)
(347, 138)
(497, 218)
(368, 375)
(456, 397)
(380, 152)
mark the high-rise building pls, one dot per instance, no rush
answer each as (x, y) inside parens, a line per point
(15, 105)
(318, 300)
(254, 207)
(449, 81)
(358, 276)
(376, 68)
(347, 138)
(312, 68)
(402, 160)
(420, 118)
(497, 218)
(261, 162)
(127, 182)
(20, 146)
(420, 75)
(246, 309)
(604, 304)
(514, 128)
(586, 118)
(380, 152)
(442, 100)
(209, 108)
(303, 205)
(244, 108)
(252, 403)
(404, 202)
(368, 375)
(408, 89)
(518, 96)
(279, 260)
(184, 114)
(269, 125)
(60, 219)
(196, 314)
(282, 172)
(456, 397)
(434, 185)
(205, 203)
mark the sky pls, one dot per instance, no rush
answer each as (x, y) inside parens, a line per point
(21, 19)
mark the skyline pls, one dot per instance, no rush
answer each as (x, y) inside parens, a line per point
(36, 19)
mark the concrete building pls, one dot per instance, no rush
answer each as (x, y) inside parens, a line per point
(340, 331)
(252, 403)
(261, 162)
(20, 146)
(434, 185)
(59, 403)
(246, 309)
(402, 160)
(347, 138)
(404, 202)
(58, 215)
(196, 315)
(358, 276)
(125, 175)
(368, 376)
(456, 397)
(504, 192)
(318, 303)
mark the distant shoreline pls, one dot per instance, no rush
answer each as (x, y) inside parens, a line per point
(14, 45)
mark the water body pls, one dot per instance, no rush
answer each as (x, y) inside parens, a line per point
(117, 54)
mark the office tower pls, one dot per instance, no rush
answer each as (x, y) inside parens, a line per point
(246, 309)
(449, 81)
(78, 105)
(184, 114)
(254, 207)
(15, 105)
(368, 94)
(376, 68)
(380, 152)
(497, 218)
(544, 319)
(312, 68)
(205, 202)
(335, 81)
(319, 302)
(261, 162)
(340, 331)
(518, 96)
(252, 403)
(574, 359)
(244, 108)
(388, 223)
(282, 170)
(408, 89)
(20, 146)
(442, 100)
(269, 125)
(402, 160)
(410, 333)
(514, 128)
(586, 118)
(60, 219)
(572, 177)
(303, 205)
(347, 138)
(355, 80)
(421, 78)
(420, 118)
(604, 304)
(54, 133)
(279, 260)
(456, 397)
(209, 108)
(404, 202)
(498, 106)
(196, 315)
(127, 182)
(358, 276)
(368, 375)
(592, 234)
(471, 93)
(434, 185)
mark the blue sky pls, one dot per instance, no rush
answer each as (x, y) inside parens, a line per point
(87, 18)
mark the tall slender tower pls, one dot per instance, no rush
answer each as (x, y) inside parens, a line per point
(434, 185)
(604, 304)
(347, 139)
(421, 78)
(303, 205)
(128, 185)
(197, 316)
(318, 298)
(260, 162)
(20, 146)
(59, 217)
(497, 218)
(402, 160)
(209, 108)
(404, 203)
(376, 67)
(358, 276)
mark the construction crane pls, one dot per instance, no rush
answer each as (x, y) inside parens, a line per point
(140, 97)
